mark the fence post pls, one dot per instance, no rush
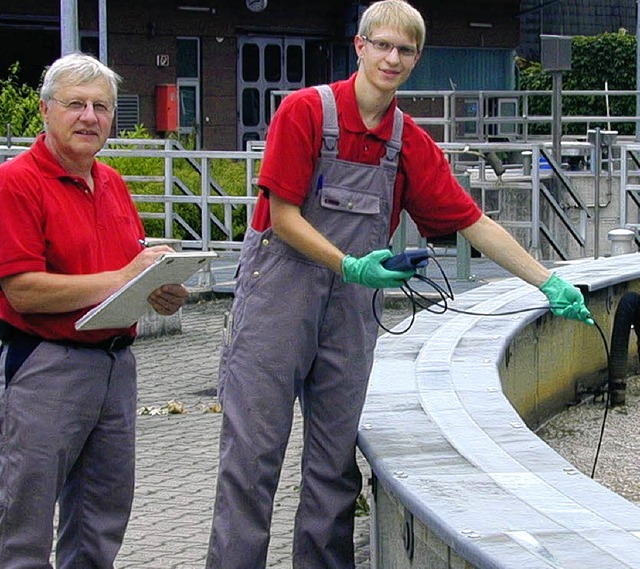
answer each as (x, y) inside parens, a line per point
(204, 204)
(168, 186)
(535, 202)
(463, 249)
(399, 239)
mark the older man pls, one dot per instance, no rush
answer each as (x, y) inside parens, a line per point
(70, 238)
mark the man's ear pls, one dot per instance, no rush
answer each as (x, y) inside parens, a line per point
(359, 45)
(44, 109)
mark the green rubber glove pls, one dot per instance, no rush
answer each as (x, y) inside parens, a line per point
(566, 300)
(368, 271)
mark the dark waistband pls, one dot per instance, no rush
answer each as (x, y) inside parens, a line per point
(9, 333)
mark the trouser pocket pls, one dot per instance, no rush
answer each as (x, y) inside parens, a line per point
(18, 350)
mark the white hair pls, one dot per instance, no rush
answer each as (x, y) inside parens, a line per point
(76, 69)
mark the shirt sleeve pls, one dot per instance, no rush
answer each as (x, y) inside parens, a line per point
(292, 146)
(432, 196)
(22, 246)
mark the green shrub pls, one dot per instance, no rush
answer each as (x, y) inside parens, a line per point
(606, 59)
(19, 105)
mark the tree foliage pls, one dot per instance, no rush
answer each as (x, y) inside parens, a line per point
(598, 62)
(19, 105)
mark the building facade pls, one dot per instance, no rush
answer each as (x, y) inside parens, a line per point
(206, 69)
(571, 18)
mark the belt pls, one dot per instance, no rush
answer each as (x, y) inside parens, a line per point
(9, 333)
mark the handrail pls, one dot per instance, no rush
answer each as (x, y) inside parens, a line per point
(203, 197)
(446, 113)
(629, 188)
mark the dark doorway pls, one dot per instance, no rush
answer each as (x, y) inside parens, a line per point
(34, 49)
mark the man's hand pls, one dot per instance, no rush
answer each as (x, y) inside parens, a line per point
(566, 300)
(168, 298)
(368, 271)
(142, 260)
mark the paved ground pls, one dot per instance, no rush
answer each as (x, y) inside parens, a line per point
(178, 453)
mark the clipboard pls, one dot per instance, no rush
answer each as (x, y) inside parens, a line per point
(128, 304)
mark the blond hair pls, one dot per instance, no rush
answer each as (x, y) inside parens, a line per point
(396, 14)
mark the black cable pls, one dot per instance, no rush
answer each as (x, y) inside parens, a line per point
(444, 294)
(439, 306)
(606, 401)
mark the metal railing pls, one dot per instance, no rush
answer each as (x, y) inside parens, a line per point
(172, 191)
(478, 116)
(169, 189)
(630, 187)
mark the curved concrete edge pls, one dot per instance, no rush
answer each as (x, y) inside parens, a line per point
(459, 478)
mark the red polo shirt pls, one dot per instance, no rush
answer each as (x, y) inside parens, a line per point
(52, 222)
(425, 186)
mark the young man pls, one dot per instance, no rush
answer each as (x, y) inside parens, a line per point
(341, 162)
(70, 238)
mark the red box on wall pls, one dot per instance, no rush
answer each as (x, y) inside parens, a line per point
(166, 108)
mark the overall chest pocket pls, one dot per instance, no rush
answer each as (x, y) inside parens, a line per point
(350, 202)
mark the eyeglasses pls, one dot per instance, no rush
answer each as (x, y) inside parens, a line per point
(100, 108)
(384, 46)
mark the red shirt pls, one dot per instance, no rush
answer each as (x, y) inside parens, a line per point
(425, 186)
(52, 222)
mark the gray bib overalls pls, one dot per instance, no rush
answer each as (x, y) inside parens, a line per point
(299, 331)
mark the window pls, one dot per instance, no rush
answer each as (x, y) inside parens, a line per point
(272, 63)
(187, 64)
(250, 107)
(294, 63)
(250, 62)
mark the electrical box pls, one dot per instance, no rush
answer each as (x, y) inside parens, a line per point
(555, 53)
(166, 108)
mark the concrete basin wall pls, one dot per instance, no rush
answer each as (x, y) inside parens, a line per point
(459, 478)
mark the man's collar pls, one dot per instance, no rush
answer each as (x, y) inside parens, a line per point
(47, 163)
(352, 119)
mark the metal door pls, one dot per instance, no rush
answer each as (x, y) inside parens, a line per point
(265, 64)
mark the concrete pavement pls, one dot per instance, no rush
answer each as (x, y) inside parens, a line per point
(177, 454)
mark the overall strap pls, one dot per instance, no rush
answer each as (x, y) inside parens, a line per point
(329, 122)
(394, 144)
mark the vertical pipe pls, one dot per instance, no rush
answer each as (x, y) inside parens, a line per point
(556, 116)
(102, 31)
(68, 27)
(535, 201)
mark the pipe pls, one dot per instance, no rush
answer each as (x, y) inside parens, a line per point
(627, 315)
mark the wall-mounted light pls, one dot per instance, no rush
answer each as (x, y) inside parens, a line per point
(195, 9)
(484, 25)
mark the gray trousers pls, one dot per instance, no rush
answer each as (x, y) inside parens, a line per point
(313, 340)
(67, 434)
